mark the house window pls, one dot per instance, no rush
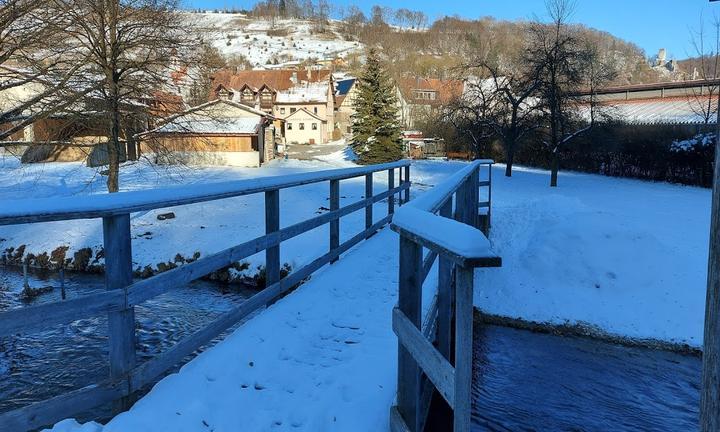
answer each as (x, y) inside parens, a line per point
(289, 126)
(315, 110)
(282, 110)
(292, 110)
(302, 126)
(314, 126)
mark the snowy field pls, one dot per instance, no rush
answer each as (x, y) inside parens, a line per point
(626, 256)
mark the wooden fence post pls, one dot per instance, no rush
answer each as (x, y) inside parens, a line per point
(121, 324)
(446, 296)
(391, 185)
(489, 218)
(409, 302)
(475, 198)
(272, 224)
(463, 347)
(406, 192)
(335, 224)
(369, 208)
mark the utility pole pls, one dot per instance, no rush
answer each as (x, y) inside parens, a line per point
(710, 390)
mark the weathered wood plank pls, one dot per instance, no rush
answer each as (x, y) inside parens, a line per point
(121, 323)
(272, 225)
(463, 348)
(334, 206)
(101, 205)
(431, 362)
(391, 186)
(397, 424)
(445, 296)
(369, 208)
(47, 412)
(409, 303)
(33, 318)
(407, 180)
(428, 263)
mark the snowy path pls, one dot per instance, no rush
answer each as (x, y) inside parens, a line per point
(321, 359)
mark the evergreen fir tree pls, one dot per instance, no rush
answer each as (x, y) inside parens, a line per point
(376, 131)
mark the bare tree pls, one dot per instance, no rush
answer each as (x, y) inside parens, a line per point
(707, 48)
(565, 64)
(36, 71)
(134, 47)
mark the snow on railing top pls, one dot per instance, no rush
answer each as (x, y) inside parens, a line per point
(432, 200)
(464, 244)
(450, 235)
(13, 212)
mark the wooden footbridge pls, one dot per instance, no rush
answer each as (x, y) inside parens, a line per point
(444, 221)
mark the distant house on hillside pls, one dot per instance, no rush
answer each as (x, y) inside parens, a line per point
(220, 132)
(345, 93)
(282, 93)
(421, 96)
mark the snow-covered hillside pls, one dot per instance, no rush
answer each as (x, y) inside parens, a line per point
(266, 43)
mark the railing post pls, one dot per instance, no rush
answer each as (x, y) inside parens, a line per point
(121, 324)
(446, 293)
(409, 303)
(272, 224)
(464, 202)
(334, 224)
(406, 192)
(463, 347)
(475, 197)
(489, 218)
(369, 208)
(391, 185)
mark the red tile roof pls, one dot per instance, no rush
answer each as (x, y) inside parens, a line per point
(278, 79)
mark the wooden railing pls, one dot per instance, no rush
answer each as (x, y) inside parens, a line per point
(123, 294)
(426, 361)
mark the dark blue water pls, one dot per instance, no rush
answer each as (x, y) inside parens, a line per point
(525, 381)
(37, 366)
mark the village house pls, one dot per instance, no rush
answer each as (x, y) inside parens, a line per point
(420, 97)
(220, 132)
(345, 93)
(304, 99)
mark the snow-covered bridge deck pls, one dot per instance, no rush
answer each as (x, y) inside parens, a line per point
(324, 358)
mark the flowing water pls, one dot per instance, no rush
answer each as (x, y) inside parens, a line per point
(523, 381)
(40, 365)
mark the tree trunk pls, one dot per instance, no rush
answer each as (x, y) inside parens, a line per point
(554, 168)
(509, 160)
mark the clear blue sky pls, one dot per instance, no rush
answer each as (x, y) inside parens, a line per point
(651, 24)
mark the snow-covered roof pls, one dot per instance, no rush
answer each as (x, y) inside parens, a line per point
(309, 93)
(659, 111)
(230, 125)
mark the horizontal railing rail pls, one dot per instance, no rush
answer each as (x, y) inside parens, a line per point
(446, 221)
(123, 294)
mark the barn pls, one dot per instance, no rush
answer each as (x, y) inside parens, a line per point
(220, 132)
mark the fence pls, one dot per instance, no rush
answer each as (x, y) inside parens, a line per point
(425, 357)
(123, 294)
